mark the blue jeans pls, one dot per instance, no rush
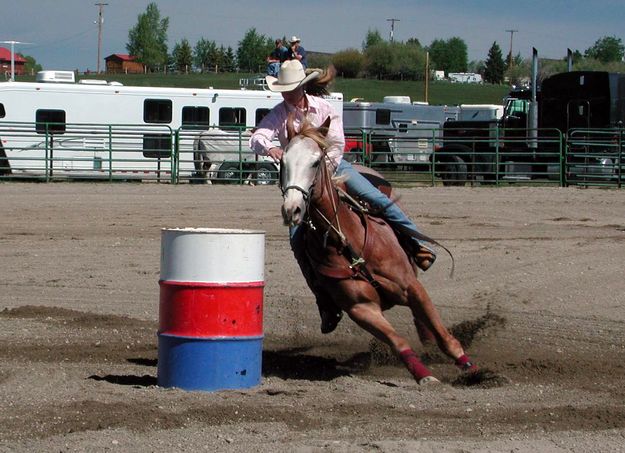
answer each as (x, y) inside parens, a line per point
(359, 186)
(273, 69)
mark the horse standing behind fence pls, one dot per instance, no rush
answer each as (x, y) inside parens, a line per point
(358, 257)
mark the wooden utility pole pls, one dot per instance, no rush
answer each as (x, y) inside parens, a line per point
(512, 32)
(100, 22)
(392, 21)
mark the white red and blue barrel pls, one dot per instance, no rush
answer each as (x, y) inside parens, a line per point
(211, 308)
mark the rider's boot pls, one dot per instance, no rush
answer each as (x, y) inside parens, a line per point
(424, 257)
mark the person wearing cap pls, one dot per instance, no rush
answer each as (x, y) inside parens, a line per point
(297, 52)
(295, 85)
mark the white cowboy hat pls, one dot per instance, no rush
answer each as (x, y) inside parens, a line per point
(295, 39)
(290, 77)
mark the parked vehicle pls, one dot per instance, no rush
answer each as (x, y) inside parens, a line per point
(570, 128)
(399, 132)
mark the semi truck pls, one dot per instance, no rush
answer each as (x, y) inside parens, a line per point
(569, 129)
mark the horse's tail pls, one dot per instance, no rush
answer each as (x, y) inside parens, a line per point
(201, 159)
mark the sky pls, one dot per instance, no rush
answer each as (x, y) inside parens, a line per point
(63, 34)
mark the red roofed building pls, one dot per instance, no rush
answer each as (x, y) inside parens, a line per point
(5, 62)
(120, 63)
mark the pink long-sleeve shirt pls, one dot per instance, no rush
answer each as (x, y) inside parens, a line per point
(274, 124)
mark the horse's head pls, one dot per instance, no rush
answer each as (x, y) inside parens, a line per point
(301, 160)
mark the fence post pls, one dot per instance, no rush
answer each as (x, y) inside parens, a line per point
(110, 153)
(563, 152)
(240, 155)
(47, 163)
(433, 160)
(497, 155)
(175, 161)
(619, 166)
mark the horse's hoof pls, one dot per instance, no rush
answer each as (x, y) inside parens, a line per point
(429, 380)
(329, 321)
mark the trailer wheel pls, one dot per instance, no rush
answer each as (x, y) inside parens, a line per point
(229, 173)
(453, 172)
(5, 166)
(266, 173)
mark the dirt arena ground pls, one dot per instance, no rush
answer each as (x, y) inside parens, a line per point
(538, 298)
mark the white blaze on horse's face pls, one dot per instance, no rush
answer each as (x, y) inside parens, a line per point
(299, 166)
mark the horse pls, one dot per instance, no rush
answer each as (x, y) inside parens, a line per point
(357, 256)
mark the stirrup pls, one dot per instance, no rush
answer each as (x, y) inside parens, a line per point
(329, 320)
(425, 258)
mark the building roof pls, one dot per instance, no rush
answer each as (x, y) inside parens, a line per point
(121, 56)
(5, 55)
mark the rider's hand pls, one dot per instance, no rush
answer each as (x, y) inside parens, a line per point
(275, 153)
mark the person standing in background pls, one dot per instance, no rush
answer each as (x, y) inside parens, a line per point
(297, 52)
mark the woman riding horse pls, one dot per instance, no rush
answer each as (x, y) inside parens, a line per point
(296, 87)
(357, 256)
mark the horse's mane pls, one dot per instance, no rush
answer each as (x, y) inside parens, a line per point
(307, 130)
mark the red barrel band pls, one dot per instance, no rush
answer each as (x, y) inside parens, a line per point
(192, 309)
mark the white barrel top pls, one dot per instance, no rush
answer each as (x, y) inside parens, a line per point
(212, 255)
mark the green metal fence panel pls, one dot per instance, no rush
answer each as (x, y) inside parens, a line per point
(594, 157)
(415, 155)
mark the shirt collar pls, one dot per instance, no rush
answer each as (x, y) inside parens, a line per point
(313, 104)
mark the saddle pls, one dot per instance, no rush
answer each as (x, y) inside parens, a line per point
(419, 257)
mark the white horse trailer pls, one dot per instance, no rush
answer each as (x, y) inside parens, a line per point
(55, 126)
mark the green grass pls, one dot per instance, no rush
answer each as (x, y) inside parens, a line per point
(369, 89)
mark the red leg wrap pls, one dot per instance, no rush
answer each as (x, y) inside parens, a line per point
(414, 365)
(464, 363)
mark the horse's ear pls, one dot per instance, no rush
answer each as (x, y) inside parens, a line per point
(290, 129)
(325, 127)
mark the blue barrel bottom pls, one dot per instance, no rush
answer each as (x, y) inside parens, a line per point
(209, 363)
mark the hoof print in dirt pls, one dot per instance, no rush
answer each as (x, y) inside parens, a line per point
(482, 378)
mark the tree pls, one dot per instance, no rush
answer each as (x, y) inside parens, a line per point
(253, 50)
(148, 39)
(395, 60)
(183, 56)
(373, 38)
(494, 65)
(450, 55)
(606, 49)
(31, 65)
(348, 62)
(203, 54)
(229, 62)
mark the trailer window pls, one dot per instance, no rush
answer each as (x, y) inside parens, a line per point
(195, 117)
(231, 116)
(383, 116)
(260, 114)
(157, 111)
(402, 127)
(50, 121)
(157, 146)
(3, 113)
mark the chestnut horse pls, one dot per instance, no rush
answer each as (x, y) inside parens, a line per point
(356, 256)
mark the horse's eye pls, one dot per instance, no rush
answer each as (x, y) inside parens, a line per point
(316, 163)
